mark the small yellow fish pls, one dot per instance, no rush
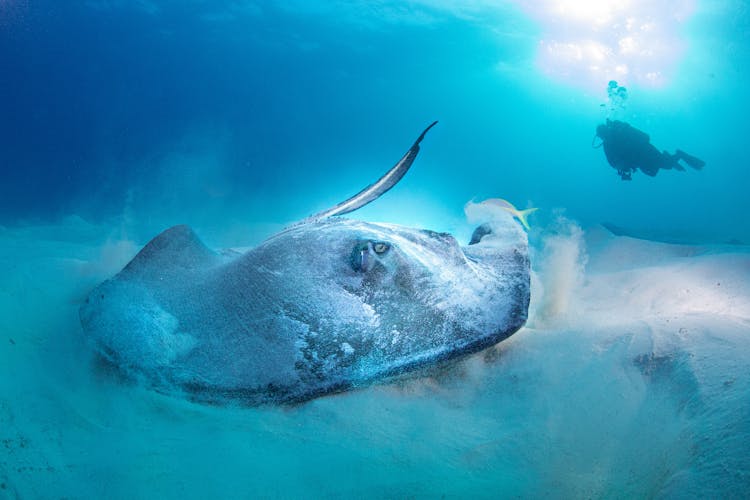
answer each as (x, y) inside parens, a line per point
(508, 207)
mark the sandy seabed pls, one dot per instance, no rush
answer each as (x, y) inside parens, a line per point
(631, 379)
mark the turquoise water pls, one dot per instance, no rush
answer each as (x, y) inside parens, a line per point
(120, 119)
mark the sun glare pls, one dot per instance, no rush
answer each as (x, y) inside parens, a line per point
(589, 42)
(597, 12)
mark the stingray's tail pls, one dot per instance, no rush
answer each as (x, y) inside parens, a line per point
(694, 162)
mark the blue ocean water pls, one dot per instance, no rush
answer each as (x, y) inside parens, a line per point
(121, 118)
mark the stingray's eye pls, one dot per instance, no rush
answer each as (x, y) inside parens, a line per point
(380, 248)
(364, 252)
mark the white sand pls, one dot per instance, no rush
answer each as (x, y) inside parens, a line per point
(631, 379)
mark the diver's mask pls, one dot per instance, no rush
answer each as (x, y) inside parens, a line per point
(601, 133)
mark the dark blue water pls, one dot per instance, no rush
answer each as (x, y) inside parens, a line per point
(224, 105)
(121, 118)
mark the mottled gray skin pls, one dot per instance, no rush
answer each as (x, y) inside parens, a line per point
(321, 307)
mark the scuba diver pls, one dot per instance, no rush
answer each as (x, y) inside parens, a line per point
(628, 149)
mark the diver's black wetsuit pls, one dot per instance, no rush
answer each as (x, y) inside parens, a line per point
(628, 149)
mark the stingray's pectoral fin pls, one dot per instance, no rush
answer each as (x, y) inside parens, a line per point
(177, 248)
(377, 189)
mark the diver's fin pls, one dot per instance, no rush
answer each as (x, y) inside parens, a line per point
(523, 214)
(694, 162)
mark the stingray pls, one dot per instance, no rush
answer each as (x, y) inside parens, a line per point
(326, 305)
